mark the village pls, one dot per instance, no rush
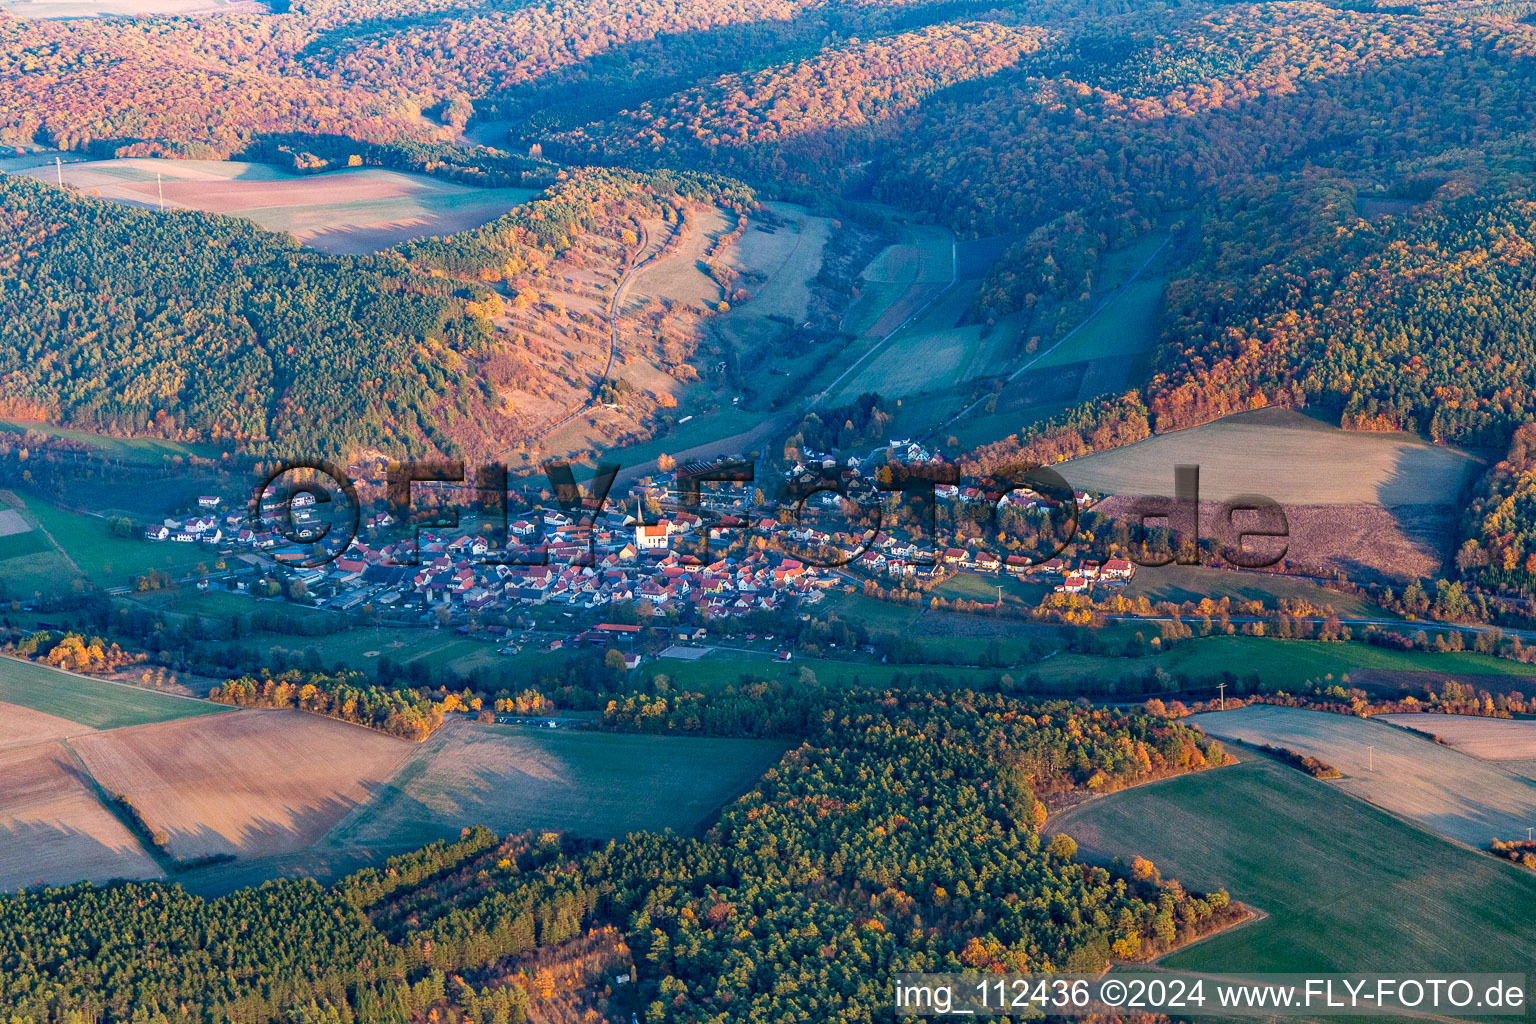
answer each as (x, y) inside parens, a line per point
(725, 554)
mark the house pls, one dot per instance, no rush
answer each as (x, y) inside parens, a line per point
(1073, 585)
(207, 501)
(157, 533)
(1117, 569)
(986, 562)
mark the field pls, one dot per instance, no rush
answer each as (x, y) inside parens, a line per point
(1491, 739)
(60, 546)
(1346, 886)
(249, 783)
(589, 784)
(361, 648)
(53, 828)
(1192, 582)
(678, 276)
(1104, 347)
(1286, 456)
(1442, 789)
(348, 211)
(1274, 661)
(1125, 327)
(778, 258)
(150, 450)
(24, 727)
(899, 280)
(91, 702)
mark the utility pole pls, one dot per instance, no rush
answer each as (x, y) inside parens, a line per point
(1528, 831)
(160, 188)
(1223, 689)
(1370, 753)
(58, 165)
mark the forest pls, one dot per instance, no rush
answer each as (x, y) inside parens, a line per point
(205, 328)
(902, 833)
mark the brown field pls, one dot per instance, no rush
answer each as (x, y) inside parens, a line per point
(1286, 456)
(347, 211)
(1441, 789)
(247, 783)
(23, 727)
(1491, 739)
(1362, 541)
(54, 830)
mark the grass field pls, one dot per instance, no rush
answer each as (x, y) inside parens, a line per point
(1444, 790)
(1125, 327)
(348, 211)
(1347, 887)
(1286, 456)
(102, 557)
(249, 783)
(1274, 661)
(54, 830)
(90, 702)
(362, 647)
(588, 784)
(1491, 739)
(1192, 582)
(677, 276)
(151, 450)
(899, 279)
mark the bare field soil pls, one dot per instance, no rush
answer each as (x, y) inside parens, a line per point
(594, 785)
(247, 783)
(1442, 789)
(24, 727)
(1491, 739)
(54, 830)
(1363, 541)
(1285, 456)
(12, 523)
(347, 211)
